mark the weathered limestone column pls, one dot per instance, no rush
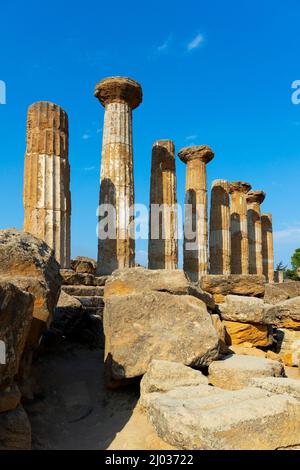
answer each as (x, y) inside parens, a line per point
(254, 200)
(239, 230)
(267, 246)
(220, 238)
(163, 246)
(47, 198)
(119, 96)
(195, 248)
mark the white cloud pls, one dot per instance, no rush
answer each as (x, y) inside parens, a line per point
(288, 235)
(191, 137)
(89, 168)
(195, 42)
(165, 45)
(86, 136)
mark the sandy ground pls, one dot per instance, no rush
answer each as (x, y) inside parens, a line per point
(75, 411)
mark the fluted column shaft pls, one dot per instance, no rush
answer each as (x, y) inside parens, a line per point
(239, 229)
(47, 198)
(267, 247)
(195, 248)
(220, 238)
(163, 246)
(254, 200)
(119, 96)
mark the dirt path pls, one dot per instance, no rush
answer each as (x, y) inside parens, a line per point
(77, 412)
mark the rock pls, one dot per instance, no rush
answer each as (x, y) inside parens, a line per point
(239, 333)
(246, 351)
(16, 309)
(246, 310)
(71, 278)
(67, 301)
(84, 290)
(137, 280)
(288, 346)
(278, 385)
(275, 293)
(31, 264)
(240, 284)
(208, 418)
(9, 398)
(156, 325)
(85, 265)
(15, 430)
(287, 313)
(220, 329)
(162, 376)
(234, 372)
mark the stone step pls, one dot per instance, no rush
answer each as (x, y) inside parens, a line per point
(209, 418)
(84, 291)
(90, 301)
(72, 278)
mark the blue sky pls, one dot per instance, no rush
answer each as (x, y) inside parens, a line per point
(216, 73)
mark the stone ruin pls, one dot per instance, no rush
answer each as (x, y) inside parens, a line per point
(214, 342)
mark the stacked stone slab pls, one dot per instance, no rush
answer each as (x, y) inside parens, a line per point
(254, 200)
(119, 96)
(239, 231)
(163, 248)
(220, 238)
(47, 199)
(267, 247)
(195, 250)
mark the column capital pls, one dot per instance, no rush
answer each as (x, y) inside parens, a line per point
(119, 89)
(239, 186)
(220, 184)
(256, 197)
(196, 152)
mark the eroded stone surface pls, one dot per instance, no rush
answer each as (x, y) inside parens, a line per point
(287, 313)
(250, 285)
(156, 325)
(246, 309)
(267, 246)
(47, 198)
(235, 372)
(254, 201)
(276, 293)
(254, 333)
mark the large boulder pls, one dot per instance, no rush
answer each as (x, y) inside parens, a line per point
(83, 264)
(15, 430)
(287, 313)
(137, 280)
(255, 334)
(278, 292)
(235, 372)
(156, 325)
(209, 418)
(16, 308)
(221, 285)
(31, 264)
(246, 310)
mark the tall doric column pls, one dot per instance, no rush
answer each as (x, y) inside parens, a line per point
(195, 249)
(220, 238)
(162, 250)
(267, 247)
(119, 96)
(47, 198)
(254, 200)
(239, 230)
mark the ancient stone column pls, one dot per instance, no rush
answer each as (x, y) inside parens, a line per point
(47, 198)
(119, 96)
(254, 200)
(220, 238)
(195, 248)
(239, 230)
(162, 249)
(267, 247)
